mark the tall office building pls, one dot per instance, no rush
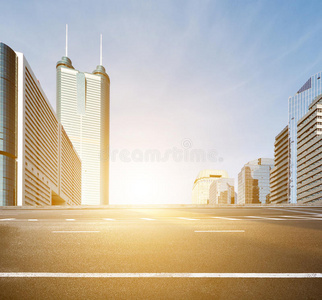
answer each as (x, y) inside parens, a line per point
(279, 177)
(38, 164)
(83, 109)
(8, 125)
(309, 154)
(201, 186)
(222, 192)
(298, 106)
(253, 181)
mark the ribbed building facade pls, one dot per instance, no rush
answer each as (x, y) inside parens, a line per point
(38, 157)
(222, 192)
(298, 106)
(201, 186)
(309, 151)
(83, 109)
(279, 177)
(253, 181)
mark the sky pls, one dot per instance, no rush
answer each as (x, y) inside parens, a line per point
(207, 77)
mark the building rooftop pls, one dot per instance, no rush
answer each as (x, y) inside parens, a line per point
(261, 161)
(208, 173)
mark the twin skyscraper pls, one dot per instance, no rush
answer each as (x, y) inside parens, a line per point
(83, 108)
(49, 158)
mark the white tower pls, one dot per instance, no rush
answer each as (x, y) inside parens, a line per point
(83, 101)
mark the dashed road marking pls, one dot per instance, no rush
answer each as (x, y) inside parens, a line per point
(160, 275)
(292, 210)
(75, 231)
(316, 217)
(219, 231)
(300, 217)
(265, 218)
(225, 218)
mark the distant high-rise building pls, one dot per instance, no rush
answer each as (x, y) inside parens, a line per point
(222, 191)
(83, 108)
(253, 181)
(38, 164)
(279, 178)
(200, 190)
(298, 106)
(309, 154)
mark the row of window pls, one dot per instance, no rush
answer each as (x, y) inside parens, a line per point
(317, 151)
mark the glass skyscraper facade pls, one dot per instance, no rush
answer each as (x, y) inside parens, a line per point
(253, 181)
(201, 186)
(222, 192)
(8, 126)
(298, 106)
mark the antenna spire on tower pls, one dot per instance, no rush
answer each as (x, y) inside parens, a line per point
(66, 40)
(101, 50)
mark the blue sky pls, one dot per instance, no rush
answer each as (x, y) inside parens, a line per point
(215, 73)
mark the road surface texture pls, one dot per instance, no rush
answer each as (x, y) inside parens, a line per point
(165, 253)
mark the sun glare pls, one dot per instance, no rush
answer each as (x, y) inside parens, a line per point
(142, 191)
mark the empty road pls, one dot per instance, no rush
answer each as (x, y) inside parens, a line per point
(164, 253)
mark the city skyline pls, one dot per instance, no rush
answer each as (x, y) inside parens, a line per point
(227, 90)
(164, 163)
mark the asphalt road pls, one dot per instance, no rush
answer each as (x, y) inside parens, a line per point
(161, 253)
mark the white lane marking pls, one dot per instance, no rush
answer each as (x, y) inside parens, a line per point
(264, 218)
(160, 275)
(70, 219)
(310, 219)
(107, 219)
(219, 230)
(182, 218)
(295, 217)
(32, 220)
(7, 219)
(297, 220)
(290, 218)
(147, 219)
(300, 211)
(224, 218)
(75, 231)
